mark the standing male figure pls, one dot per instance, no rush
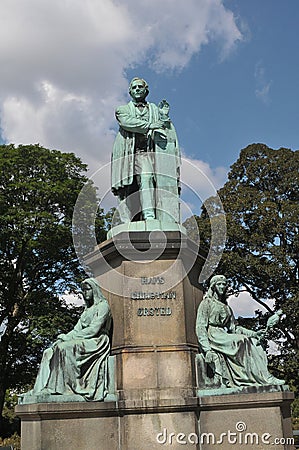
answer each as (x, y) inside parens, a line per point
(132, 177)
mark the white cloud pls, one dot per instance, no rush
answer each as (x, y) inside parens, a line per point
(63, 62)
(199, 181)
(245, 306)
(263, 84)
(263, 92)
(175, 31)
(201, 177)
(73, 299)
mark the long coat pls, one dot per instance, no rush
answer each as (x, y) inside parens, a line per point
(122, 163)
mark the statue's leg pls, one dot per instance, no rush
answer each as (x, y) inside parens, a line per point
(221, 374)
(43, 375)
(128, 203)
(133, 200)
(145, 179)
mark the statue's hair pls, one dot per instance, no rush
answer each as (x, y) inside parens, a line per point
(214, 280)
(143, 81)
(98, 295)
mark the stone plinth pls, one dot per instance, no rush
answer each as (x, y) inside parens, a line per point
(150, 280)
(149, 225)
(151, 283)
(249, 420)
(246, 420)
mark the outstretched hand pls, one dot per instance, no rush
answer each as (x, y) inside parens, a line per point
(260, 334)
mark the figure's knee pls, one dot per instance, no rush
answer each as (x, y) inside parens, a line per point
(64, 345)
(48, 352)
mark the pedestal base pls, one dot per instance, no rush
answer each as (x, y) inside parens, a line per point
(145, 226)
(256, 421)
(151, 282)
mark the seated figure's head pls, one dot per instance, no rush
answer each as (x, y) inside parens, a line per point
(92, 292)
(87, 293)
(218, 286)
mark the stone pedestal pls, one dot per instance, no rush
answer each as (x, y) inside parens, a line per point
(248, 420)
(150, 280)
(151, 283)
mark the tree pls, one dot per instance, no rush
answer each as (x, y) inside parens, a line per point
(38, 263)
(261, 256)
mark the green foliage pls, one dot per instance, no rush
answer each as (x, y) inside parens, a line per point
(10, 423)
(14, 440)
(103, 223)
(38, 263)
(11, 399)
(295, 413)
(261, 203)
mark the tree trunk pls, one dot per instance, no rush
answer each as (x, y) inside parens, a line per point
(4, 347)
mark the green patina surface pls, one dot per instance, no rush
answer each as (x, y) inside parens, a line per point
(146, 160)
(231, 356)
(148, 225)
(77, 367)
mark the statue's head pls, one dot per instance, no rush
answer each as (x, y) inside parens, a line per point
(92, 292)
(216, 279)
(164, 110)
(138, 89)
(164, 105)
(87, 293)
(218, 286)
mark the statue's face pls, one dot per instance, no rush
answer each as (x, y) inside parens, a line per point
(220, 287)
(87, 294)
(164, 109)
(138, 91)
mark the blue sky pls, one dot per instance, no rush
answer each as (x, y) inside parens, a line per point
(252, 95)
(229, 69)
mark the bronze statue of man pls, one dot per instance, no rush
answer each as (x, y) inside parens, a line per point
(133, 160)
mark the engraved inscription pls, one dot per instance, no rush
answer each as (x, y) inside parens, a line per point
(153, 295)
(152, 280)
(154, 311)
